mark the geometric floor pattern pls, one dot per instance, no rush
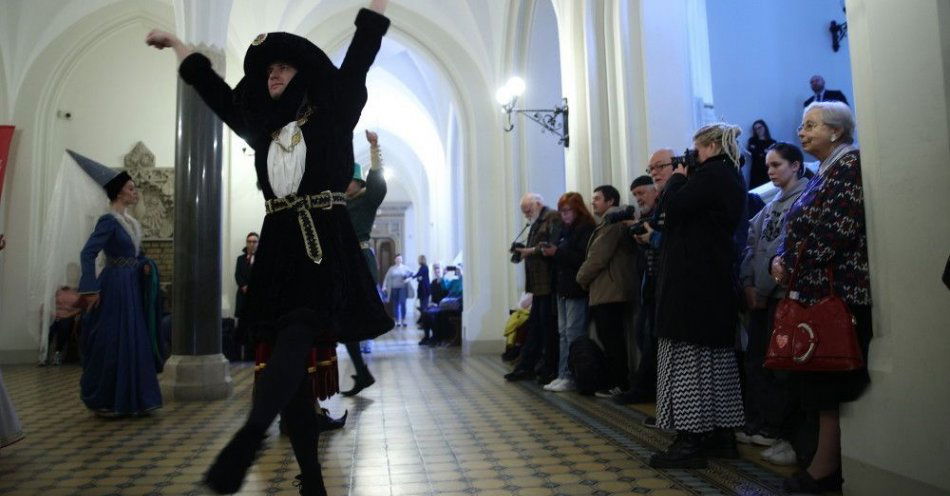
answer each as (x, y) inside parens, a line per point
(435, 423)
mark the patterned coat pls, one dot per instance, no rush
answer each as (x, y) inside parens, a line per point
(828, 221)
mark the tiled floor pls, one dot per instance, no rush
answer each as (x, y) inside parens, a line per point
(435, 423)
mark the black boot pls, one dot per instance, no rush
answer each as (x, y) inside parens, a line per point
(361, 381)
(226, 475)
(310, 484)
(685, 452)
(721, 443)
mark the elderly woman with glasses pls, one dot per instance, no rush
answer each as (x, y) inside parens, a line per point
(825, 230)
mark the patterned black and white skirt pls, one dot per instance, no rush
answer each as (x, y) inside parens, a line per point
(697, 387)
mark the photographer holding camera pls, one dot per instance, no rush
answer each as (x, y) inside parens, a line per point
(698, 393)
(539, 281)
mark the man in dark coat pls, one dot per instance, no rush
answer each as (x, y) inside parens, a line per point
(539, 281)
(242, 272)
(821, 94)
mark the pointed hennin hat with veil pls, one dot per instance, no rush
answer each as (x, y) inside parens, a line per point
(111, 180)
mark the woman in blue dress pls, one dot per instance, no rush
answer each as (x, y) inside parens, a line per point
(119, 356)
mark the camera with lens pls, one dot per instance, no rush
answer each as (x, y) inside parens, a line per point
(627, 213)
(515, 254)
(638, 229)
(689, 159)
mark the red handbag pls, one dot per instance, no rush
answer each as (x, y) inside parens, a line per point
(816, 338)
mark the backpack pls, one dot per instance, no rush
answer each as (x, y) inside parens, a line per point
(588, 364)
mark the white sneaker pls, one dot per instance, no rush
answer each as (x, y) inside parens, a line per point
(784, 454)
(762, 440)
(742, 437)
(767, 452)
(553, 384)
(562, 386)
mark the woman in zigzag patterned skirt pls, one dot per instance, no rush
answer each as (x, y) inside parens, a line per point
(698, 393)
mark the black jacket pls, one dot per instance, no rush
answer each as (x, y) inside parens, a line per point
(570, 255)
(242, 275)
(697, 298)
(829, 96)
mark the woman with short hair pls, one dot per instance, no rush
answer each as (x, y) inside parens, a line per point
(825, 230)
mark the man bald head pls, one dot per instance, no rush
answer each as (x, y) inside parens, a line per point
(660, 167)
(531, 205)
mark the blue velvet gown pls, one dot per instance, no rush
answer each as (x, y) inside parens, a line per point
(119, 363)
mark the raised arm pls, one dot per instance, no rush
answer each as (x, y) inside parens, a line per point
(195, 69)
(371, 25)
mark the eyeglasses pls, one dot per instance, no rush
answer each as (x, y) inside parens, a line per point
(658, 167)
(809, 125)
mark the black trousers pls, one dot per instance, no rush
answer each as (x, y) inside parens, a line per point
(542, 322)
(356, 356)
(644, 379)
(769, 400)
(608, 317)
(283, 388)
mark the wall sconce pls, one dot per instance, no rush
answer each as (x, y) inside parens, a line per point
(554, 120)
(838, 31)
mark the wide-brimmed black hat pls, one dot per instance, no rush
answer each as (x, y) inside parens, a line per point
(296, 50)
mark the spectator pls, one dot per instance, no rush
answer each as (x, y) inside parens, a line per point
(768, 413)
(242, 276)
(443, 330)
(698, 392)
(539, 281)
(65, 323)
(568, 254)
(427, 315)
(422, 276)
(609, 273)
(817, 84)
(643, 188)
(827, 226)
(395, 284)
(758, 146)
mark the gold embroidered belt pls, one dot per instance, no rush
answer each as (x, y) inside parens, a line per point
(129, 262)
(303, 204)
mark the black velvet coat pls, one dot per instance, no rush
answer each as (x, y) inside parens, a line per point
(697, 298)
(337, 298)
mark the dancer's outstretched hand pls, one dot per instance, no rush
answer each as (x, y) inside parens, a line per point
(378, 6)
(161, 39)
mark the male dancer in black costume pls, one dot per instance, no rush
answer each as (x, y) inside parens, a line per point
(310, 285)
(363, 199)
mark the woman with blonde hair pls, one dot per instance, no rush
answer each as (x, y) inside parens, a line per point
(698, 392)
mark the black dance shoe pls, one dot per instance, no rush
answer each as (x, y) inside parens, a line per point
(226, 475)
(686, 452)
(310, 484)
(326, 423)
(721, 443)
(803, 482)
(633, 396)
(360, 382)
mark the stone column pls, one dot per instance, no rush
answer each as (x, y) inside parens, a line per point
(197, 370)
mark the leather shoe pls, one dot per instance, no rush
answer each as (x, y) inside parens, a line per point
(360, 382)
(226, 475)
(519, 375)
(686, 452)
(803, 482)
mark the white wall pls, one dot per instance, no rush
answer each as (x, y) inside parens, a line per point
(764, 53)
(896, 438)
(543, 157)
(117, 95)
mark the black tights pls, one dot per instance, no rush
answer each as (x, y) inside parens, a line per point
(283, 388)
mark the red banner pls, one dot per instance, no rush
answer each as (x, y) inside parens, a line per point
(6, 137)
